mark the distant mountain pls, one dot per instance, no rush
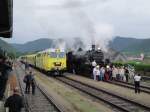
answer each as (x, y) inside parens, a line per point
(123, 44)
(36, 45)
(7, 47)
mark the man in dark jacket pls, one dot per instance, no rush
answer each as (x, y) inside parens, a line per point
(5, 70)
(14, 102)
(28, 80)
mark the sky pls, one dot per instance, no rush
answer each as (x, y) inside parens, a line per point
(92, 20)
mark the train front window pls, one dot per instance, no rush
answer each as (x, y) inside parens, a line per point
(53, 55)
(57, 54)
(61, 55)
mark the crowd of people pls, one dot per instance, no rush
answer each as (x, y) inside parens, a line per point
(106, 73)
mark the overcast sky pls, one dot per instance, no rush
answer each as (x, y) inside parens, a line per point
(35, 19)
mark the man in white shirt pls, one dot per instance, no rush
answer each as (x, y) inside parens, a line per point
(96, 73)
(122, 71)
(92, 67)
(137, 79)
(114, 73)
(94, 63)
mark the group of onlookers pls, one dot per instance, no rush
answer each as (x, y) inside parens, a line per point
(105, 73)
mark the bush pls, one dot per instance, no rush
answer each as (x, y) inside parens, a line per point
(137, 66)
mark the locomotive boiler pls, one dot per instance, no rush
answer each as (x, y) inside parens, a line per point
(80, 61)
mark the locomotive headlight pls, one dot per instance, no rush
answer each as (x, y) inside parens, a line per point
(57, 68)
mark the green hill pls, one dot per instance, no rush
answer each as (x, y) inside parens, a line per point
(121, 44)
(7, 47)
(32, 46)
(131, 45)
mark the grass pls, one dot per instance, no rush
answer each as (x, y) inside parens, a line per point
(75, 99)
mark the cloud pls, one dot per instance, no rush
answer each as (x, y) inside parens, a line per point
(60, 18)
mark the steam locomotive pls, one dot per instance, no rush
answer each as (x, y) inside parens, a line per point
(80, 62)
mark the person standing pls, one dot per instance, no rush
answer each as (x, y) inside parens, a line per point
(26, 66)
(102, 72)
(110, 73)
(14, 102)
(33, 84)
(114, 73)
(107, 72)
(92, 67)
(94, 63)
(137, 79)
(5, 71)
(96, 73)
(126, 74)
(122, 72)
(27, 80)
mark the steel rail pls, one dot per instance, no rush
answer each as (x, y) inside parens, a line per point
(105, 92)
(46, 96)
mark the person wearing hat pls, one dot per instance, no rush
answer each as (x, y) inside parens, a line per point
(14, 102)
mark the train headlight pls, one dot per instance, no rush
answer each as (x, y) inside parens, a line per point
(57, 68)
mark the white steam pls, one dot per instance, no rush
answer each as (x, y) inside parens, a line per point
(104, 34)
(98, 34)
(66, 19)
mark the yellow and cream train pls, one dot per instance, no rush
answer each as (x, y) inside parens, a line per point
(53, 61)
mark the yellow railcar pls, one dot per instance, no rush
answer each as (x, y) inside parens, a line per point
(31, 59)
(50, 60)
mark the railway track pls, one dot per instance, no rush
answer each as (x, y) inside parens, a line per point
(40, 102)
(145, 77)
(145, 89)
(121, 103)
(118, 102)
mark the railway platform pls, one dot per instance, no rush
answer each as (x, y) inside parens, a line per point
(11, 84)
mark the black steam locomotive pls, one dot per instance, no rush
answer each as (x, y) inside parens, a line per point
(80, 62)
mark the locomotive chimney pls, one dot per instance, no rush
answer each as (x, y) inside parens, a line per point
(93, 47)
